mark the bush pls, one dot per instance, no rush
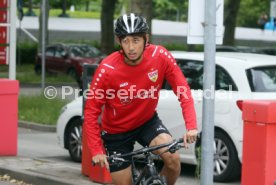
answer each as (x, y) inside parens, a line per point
(26, 53)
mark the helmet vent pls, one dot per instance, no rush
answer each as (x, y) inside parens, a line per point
(132, 17)
(126, 23)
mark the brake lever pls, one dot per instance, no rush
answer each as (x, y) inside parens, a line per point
(174, 148)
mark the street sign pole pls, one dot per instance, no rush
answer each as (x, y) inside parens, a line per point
(273, 8)
(12, 40)
(207, 148)
(43, 22)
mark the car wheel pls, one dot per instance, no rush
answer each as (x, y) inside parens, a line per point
(226, 163)
(74, 139)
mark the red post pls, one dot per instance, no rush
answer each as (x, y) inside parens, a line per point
(259, 137)
(8, 114)
(3, 4)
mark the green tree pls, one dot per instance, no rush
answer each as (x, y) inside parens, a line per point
(230, 16)
(143, 8)
(87, 3)
(107, 18)
(84, 4)
(63, 8)
(243, 13)
(30, 11)
(176, 10)
(250, 10)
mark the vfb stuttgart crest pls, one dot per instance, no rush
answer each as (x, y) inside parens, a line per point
(153, 76)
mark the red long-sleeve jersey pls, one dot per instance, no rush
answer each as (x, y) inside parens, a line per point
(127, 96)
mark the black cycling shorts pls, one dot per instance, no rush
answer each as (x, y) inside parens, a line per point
(124, 142)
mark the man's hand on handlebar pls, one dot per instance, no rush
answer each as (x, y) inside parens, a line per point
(100, 159)
(190, 137)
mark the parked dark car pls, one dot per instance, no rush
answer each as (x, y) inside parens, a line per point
(240, 49)
(222, 48)
(267, 50)
(245, 49)
(69, 59)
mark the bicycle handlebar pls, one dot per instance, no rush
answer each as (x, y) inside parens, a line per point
(172, 147)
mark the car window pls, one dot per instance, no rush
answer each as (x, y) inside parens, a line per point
(76, 52)
(50, 51)
(84, 51)
(262, 79)
(60, 52)
(224, 80)
(193, 71)
(94, 52)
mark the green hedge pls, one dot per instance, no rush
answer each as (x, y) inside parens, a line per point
(25, 53)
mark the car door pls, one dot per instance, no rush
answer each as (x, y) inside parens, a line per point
(49, 58)
(60, 63)
(227, 95)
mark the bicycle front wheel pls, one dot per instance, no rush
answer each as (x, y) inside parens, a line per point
(156, 180)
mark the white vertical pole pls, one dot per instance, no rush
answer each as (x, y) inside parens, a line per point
(12, 40)
(207, 148)
(272, 9)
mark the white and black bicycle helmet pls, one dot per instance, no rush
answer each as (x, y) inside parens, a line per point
(130, 24)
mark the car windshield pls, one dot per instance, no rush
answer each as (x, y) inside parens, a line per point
(84, 51)
(262, 79)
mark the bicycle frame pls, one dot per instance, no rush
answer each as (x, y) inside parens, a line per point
(149, 174)
(149, 170)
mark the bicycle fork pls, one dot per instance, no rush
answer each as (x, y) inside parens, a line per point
(148, 171)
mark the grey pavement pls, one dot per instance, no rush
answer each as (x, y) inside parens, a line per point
(40, 161)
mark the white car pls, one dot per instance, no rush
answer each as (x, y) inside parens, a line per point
(239, 76)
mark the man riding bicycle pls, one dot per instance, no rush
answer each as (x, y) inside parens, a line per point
(125, 89)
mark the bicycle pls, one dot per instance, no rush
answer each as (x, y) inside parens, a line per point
(149, 174)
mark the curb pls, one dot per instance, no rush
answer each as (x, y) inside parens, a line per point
(36, 126)
(31, 178)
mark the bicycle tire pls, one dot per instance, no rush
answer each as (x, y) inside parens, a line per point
(156, 180)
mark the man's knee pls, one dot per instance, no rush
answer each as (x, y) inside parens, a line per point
(117, 177)
(172, 161)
